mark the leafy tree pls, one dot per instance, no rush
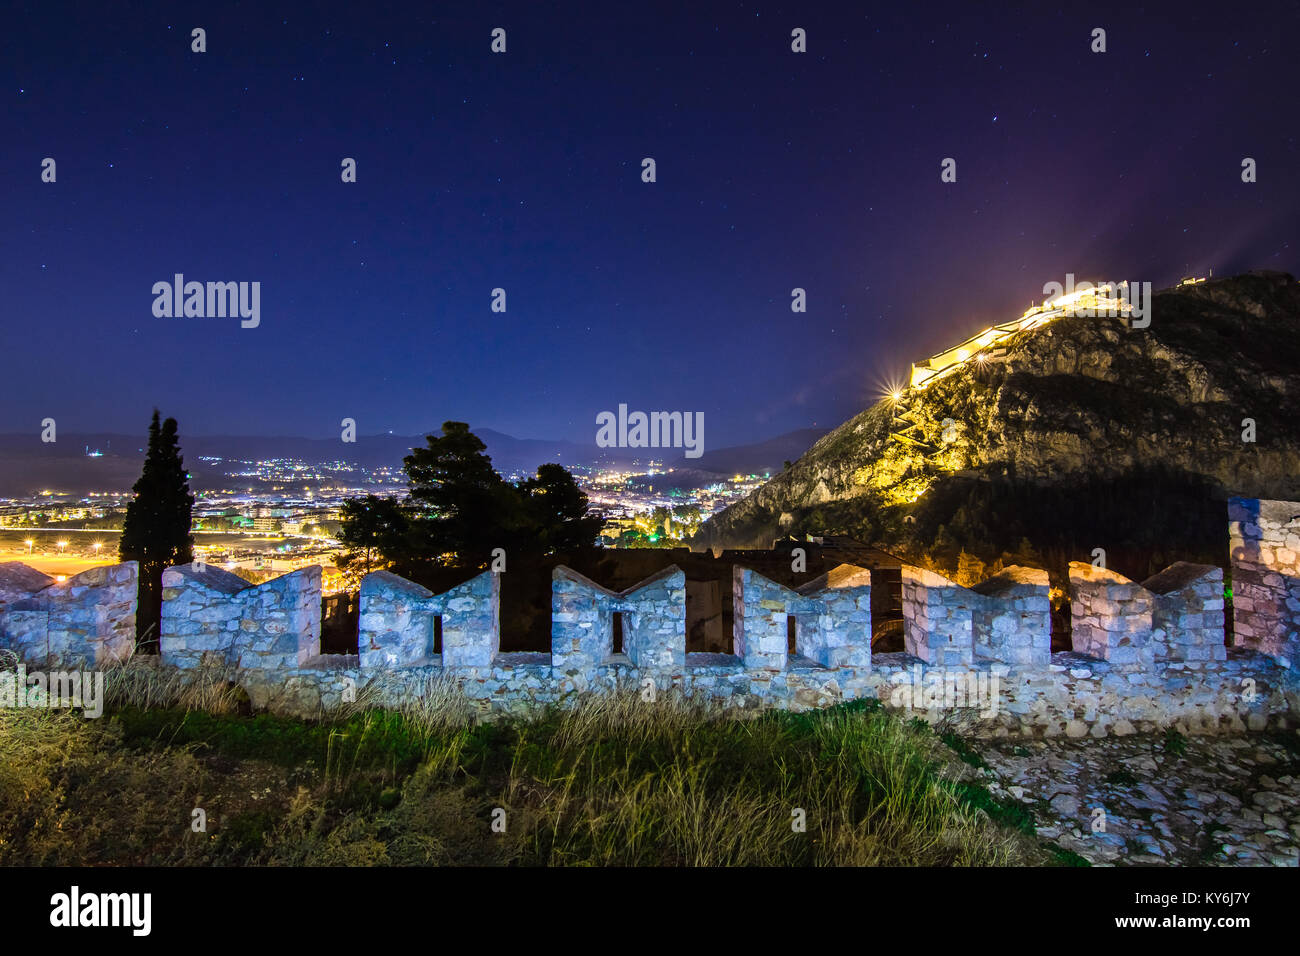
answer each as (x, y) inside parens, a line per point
(461, 507)
(156, 530)
(970, 569)
(373, 528)
(558, 510)
(459, 510)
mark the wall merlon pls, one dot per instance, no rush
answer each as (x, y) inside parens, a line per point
(87, 620)
(1264, 549)
(210, 613)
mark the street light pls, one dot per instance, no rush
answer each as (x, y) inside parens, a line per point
(29, 542)
(62, 545)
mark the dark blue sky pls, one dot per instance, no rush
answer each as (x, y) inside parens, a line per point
(522, 171)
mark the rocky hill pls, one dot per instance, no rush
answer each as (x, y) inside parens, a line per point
(1081, 431)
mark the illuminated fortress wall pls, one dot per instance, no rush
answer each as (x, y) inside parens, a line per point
(1103, 300)
(1144, 656)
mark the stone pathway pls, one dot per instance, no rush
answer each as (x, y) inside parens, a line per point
(1135, 801)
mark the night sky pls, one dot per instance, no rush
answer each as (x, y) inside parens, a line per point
(475, 170)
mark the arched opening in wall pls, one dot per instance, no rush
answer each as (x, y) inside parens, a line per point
(616, 643)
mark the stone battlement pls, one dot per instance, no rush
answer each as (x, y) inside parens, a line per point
(1144, 656)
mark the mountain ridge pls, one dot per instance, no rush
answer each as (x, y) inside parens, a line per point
(1073, 402)
(28, 465)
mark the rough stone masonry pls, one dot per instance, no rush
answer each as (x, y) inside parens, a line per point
(1144, 657)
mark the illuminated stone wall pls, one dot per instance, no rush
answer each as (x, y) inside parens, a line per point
(938, 618)
(212, 615)
(1145, 656)
(1111, 618)
(1013, 622)
(1264, 547)
(88, 620)
(399, 621)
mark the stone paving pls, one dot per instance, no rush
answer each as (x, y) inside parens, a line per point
(1138, 801)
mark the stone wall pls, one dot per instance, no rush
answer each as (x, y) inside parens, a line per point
(19, 582)
(399, 623)
(1189, 612)
(1006, 618)
(1013, 622)
(88, 620)
(1176, 615)
(582, 622)
(1077, 696)
(938, 618)
(1145, 656)
(833, 619)
(211, 614)
(1111, 618)
(1264, 548)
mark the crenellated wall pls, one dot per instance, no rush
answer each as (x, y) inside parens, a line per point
(1188, 612)
(1007, 618)
(400, 623)
(832, 615)
(938, 619)
(1145, 656)
(582, 622)
(1111, 618)
(1013, 623)
(88, 620)
(1176, 615)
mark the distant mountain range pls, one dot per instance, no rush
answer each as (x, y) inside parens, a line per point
(29, 466)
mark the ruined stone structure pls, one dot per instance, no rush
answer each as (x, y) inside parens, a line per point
(1145, 656)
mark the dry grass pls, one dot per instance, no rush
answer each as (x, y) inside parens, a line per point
(604, 780)
(143, 682)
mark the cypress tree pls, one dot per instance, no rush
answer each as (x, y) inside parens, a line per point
(156, 531)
